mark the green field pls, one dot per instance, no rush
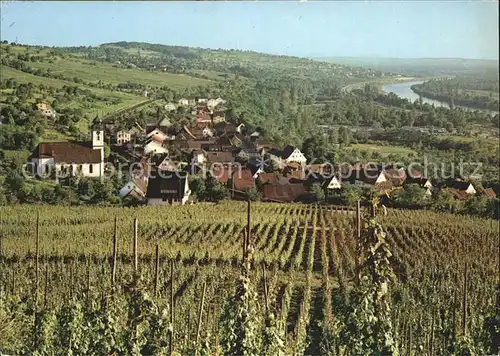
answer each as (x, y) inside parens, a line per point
(385, 150)
(98, 108)
(107, 73)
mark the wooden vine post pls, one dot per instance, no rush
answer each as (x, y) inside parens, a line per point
(46, 287)
(1, 256)
(498, 286)
(200, 313)
(358, 241)
(37, 255)
(249, 231)
(157, 266)
(136, 260)
(266, 292)
(114, 255)
(172, 306)
(464, 306)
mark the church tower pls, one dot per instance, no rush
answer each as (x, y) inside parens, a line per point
(97, 134)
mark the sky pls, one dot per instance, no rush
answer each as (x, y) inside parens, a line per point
(394, 29)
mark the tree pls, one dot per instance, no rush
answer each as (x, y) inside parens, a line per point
(444, 202)
(103, 191)
(215, 191)
(477, 206)
(14, 182)
(315, 148)
(344, 135)
(412, 195)
(350, 195)
(252, 194)
(197, 186)
(318, 192)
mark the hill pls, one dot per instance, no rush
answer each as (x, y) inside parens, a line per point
(81, 83)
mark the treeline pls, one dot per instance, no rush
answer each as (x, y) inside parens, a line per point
(475, 92)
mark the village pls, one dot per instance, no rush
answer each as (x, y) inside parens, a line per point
(162, 157)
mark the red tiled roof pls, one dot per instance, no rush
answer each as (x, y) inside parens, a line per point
(243, 179)
(296, 174)
(457, 193)
(221, 173)
(396, 176)
(141, 183)
(489, 192)
(321, 168)
(220, 157)
(283, 193)
(270, 178)
(204, 117)
(414, 173)
(384, 187)
(67, 152)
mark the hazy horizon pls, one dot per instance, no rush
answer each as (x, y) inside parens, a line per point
(376, 30)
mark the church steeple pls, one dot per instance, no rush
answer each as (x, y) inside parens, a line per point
(97, 133)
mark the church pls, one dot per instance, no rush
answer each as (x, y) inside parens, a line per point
(71, 158)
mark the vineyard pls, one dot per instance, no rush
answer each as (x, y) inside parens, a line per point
(190, 280)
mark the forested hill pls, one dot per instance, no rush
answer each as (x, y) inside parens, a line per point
(244, 63)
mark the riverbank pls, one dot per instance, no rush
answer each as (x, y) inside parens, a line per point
(458, 101)
(406, 90)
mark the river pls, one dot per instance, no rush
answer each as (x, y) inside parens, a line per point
(403, 90)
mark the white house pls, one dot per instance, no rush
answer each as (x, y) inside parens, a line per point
(170, 106)
(123, 137)
(239, 128)
(288, 154)
(214, 102)
(334, 183)
(199, 157)
(156, 135)
(168, 188)
(135, 186)
(70, 158)
(207, 132)
(154, 147)
(183, 102)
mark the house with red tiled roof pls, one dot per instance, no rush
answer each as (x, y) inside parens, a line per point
(460, 189)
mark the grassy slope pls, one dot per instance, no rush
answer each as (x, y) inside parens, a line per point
(384, 150)
(100, 108)
(107, 73)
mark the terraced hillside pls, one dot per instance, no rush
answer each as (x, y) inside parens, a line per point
(445, 269)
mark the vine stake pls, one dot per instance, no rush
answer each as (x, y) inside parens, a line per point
(136, 261)
(157, 266)
(113, 263)
(200, 312)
